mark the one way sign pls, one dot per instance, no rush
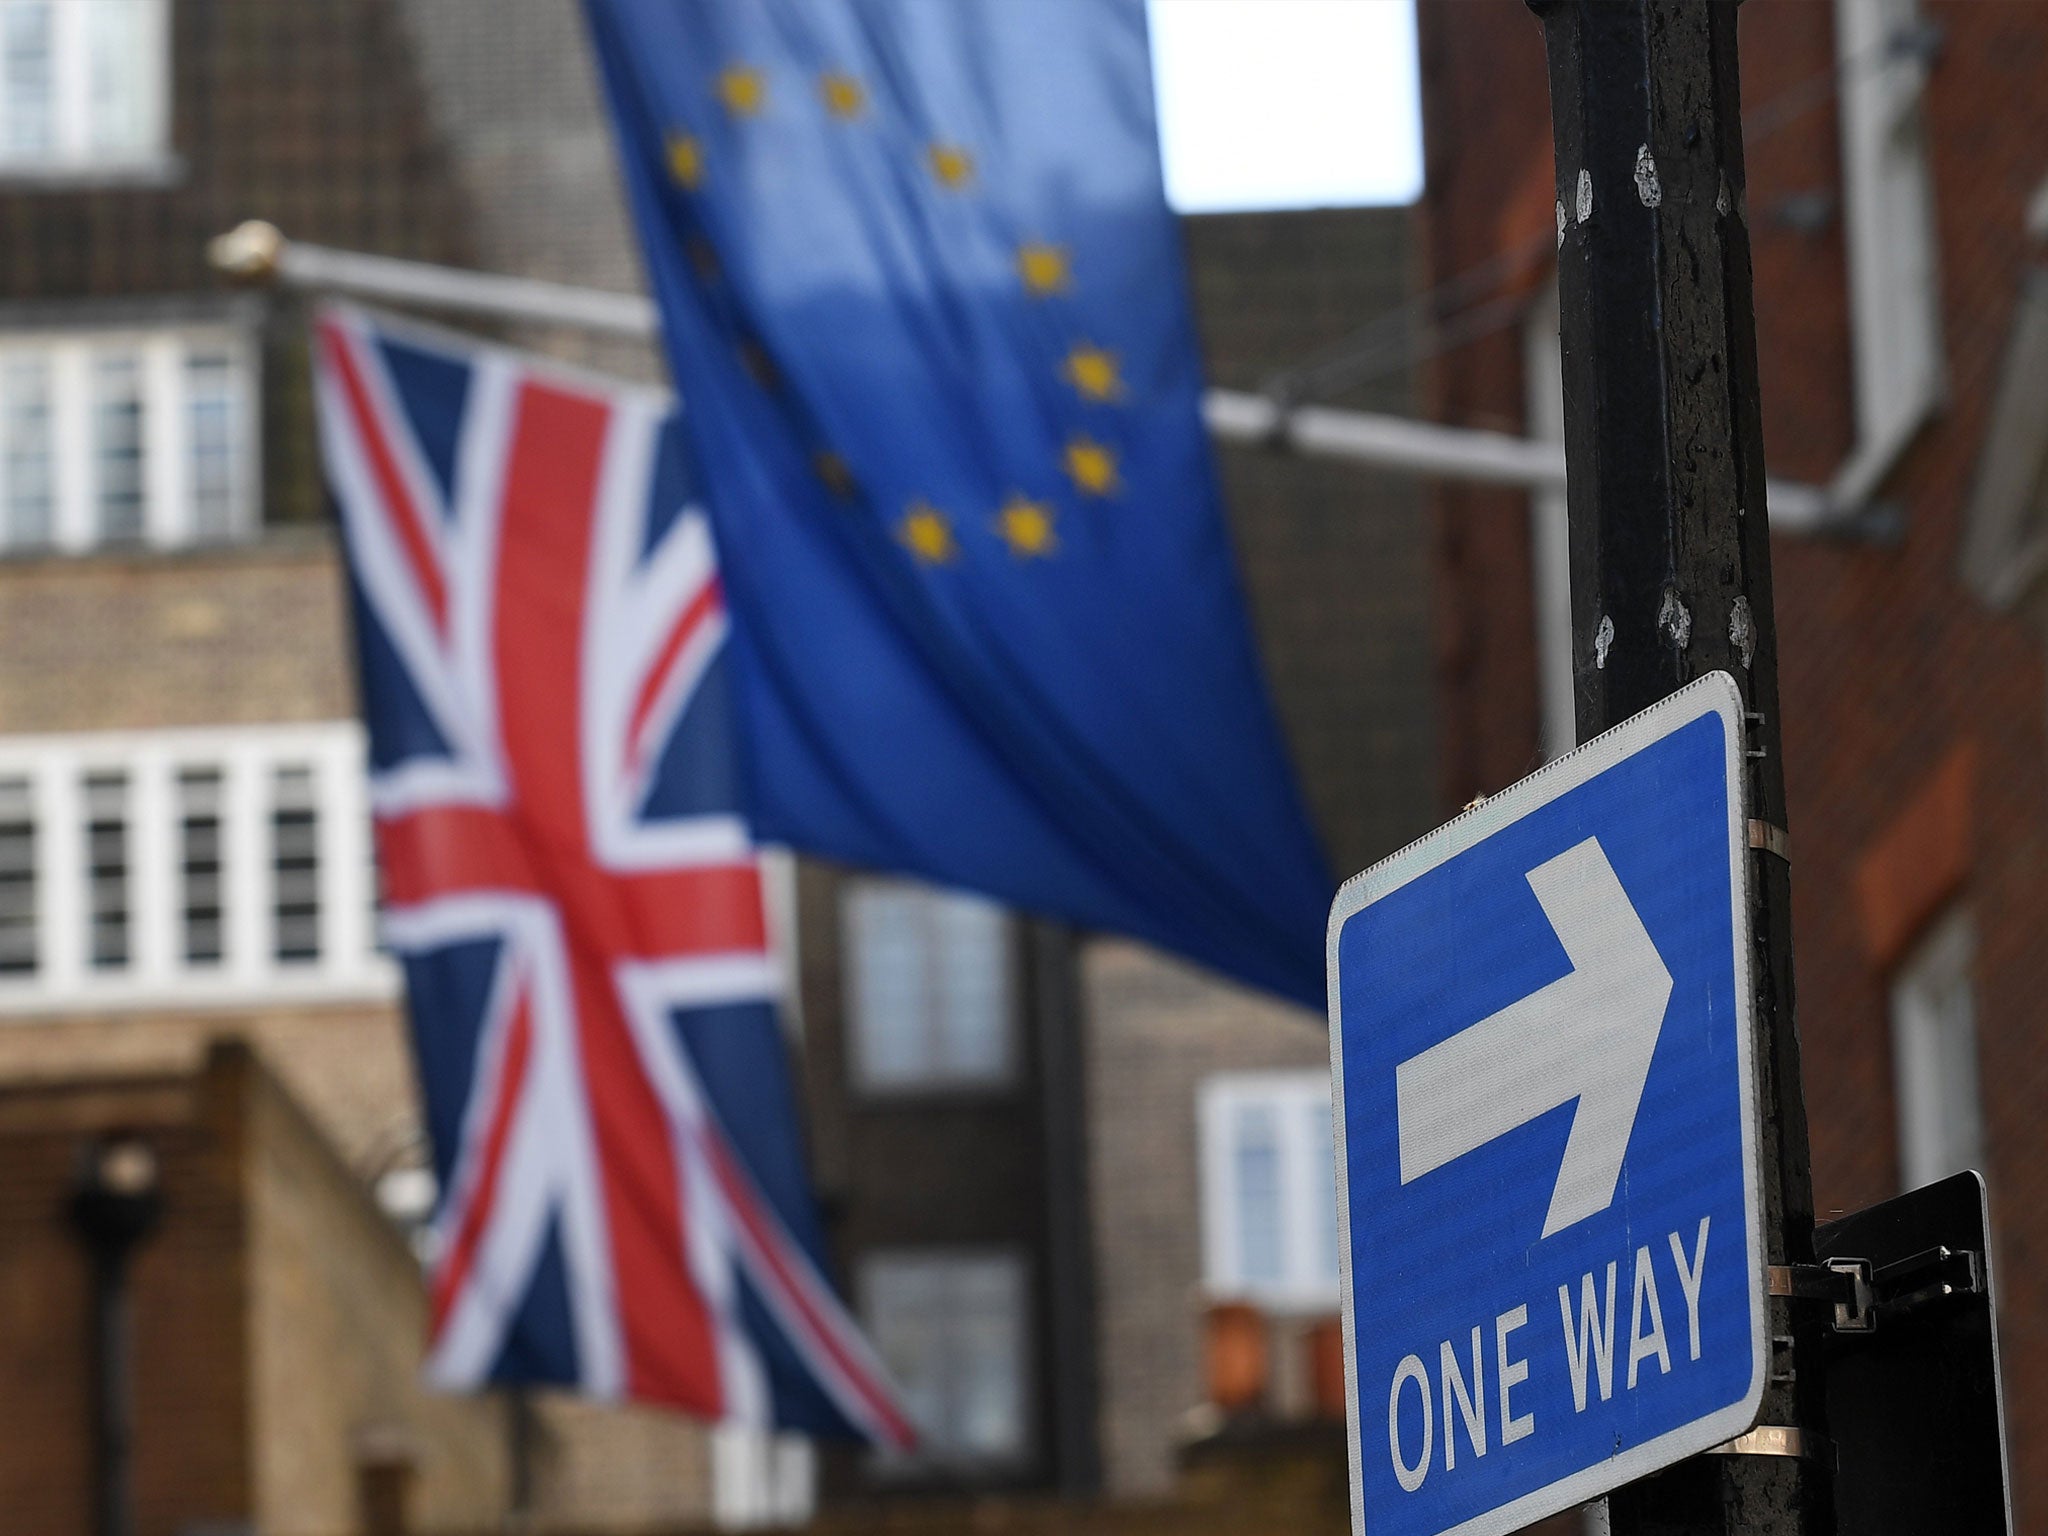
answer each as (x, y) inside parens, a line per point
(1541, 1029)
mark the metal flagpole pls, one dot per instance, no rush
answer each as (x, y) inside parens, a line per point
(256, 252)
(1671, 579)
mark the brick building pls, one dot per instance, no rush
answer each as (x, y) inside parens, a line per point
(1045, 1162)
(184, 854)
(1026, 1146)
(1895, 205)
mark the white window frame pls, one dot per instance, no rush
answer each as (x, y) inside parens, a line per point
(934, 1076)
(1889, 223)
(1305, 1180)
(157, 975)
(928, 1458)
(1935, 1069)
(75, 155)
(164, 354)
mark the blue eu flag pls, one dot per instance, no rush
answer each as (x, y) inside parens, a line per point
(924, 302)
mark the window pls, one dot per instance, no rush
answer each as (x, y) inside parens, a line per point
(1934, 1056)
(83, 87)
(931, 983)
(28, 520)
(295, 866)
(117, 446)
(152, 868)
(1894, 297)
(199, 864)
(17, 877)
(212, 424)
(1269, 1193)
(950, 1328)
(112, 437)
(106, 859)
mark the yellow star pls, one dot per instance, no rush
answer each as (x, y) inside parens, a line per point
(1044, 269)
(742, 90)
(1092, 466)
(1093, 371)
(1026, 526)
(927, 534)
(833, 471)
(951, 164)
(844, 97)
(686, 160)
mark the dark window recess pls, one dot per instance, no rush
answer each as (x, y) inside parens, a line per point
(17, 879)
(199, 863)
(106, 861)
(295, 866)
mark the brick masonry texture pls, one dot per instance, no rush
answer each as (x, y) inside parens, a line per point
(1335, 562)
(378, 125)
(249, 635)
(1889, 667)
(1157, 1029)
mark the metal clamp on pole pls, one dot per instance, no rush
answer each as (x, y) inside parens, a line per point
(1859, 1293)
(1930, 1275)
(1779, 1440)
(1767, 837)
(1844, 1284)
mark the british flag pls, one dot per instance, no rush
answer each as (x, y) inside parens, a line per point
(570, 883)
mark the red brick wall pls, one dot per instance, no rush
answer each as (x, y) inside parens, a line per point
(1892, 672)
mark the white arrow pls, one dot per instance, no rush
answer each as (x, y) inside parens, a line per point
(1589, 1036)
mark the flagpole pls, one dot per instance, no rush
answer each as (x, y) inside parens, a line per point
(258, 253)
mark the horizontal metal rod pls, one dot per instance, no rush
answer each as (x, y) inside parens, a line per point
(257, 252)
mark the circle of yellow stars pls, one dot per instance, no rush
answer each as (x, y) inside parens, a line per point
(1044, 270)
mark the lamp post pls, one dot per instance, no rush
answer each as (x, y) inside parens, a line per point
(114, 1206)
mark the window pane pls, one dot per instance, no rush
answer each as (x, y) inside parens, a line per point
(988, 1355)
(120, 56)
(891, 1024)
(295, 866)
(17, 878)
(26, 465)
(210, 403)
(1255, 1151)
(118, 445)
(1322, 1176)
(931, 987)
(1934, 1034)
(106, 862)
(27, 71)
(1269, 1199)
(199, 863)
(951, 1330)
(971, 986)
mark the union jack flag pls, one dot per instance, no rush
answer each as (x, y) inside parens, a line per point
(571, 885)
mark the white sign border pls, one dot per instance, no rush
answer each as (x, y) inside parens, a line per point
(1716, 693)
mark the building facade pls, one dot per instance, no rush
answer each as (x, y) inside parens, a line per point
(1079, 1193)
(1894, 203)
(184, 841)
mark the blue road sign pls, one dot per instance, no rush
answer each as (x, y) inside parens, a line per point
(1541, 1022)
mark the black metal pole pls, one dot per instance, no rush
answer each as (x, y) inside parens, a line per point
(1671, 573)
(115, 1205)
(113, 1497)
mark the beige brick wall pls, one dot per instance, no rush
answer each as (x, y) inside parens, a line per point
(245, 635)
(1156, 1029)
(350, 1067)
(336, 1319)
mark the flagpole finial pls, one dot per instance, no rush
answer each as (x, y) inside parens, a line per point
(248, 253)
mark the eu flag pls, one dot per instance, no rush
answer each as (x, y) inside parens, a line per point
(924, 302)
